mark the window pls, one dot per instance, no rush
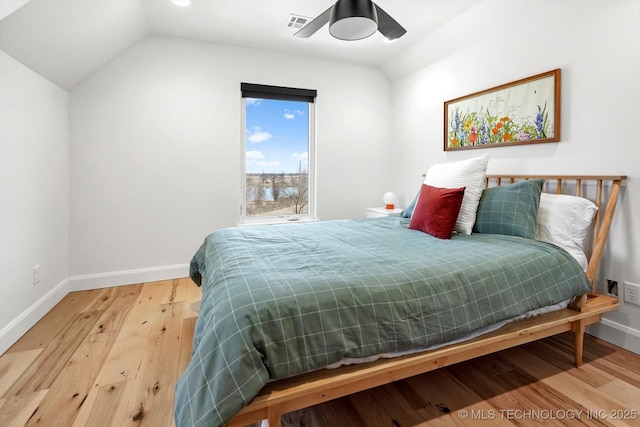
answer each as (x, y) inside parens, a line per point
(278, 149)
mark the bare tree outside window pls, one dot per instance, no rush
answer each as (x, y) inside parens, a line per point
(298, 191)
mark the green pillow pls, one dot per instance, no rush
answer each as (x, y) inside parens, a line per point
(408, 211)
(510, 209)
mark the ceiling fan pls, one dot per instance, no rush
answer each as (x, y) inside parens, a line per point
(354, 20)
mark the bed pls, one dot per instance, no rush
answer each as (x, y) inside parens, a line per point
(283, 302)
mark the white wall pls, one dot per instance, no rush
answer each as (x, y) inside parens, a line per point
(597, 46)
(34, 197)
(7, 7)
(156, 150)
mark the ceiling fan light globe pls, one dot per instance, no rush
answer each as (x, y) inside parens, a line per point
(356, 28)
(353, 19)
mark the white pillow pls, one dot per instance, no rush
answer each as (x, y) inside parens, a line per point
(465, 173)
(564, 221)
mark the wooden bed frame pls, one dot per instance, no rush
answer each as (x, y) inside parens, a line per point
(291, 394)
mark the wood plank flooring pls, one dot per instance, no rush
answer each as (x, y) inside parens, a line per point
(111, 357)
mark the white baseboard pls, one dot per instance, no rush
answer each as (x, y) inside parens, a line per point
(21, 324)
(617, 334)
(127, 277)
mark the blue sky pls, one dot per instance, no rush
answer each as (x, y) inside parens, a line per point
(277, 135)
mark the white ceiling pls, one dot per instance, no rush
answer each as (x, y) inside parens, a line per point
(68, 40)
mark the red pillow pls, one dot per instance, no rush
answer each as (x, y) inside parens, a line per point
(437, 210)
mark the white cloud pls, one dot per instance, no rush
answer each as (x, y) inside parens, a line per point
(254, 161)
(252, 155)
(292, 114)
(253, 101)
(258, 135)
(299, 156)
(268, 164)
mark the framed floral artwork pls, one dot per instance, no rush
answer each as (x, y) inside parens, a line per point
(525, 111)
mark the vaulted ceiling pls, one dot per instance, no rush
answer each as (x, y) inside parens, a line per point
(68, 40)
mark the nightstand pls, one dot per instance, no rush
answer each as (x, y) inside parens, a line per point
(378, 212)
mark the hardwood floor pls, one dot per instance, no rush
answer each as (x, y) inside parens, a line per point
(111, 357)
(104, 357)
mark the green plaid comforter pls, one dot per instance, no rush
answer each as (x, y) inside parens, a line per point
(280, 300)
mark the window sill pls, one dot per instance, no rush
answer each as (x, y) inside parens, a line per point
(275, 221)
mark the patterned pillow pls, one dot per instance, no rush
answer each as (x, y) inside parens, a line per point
(510, 209)
(437, 210)
(468, 173)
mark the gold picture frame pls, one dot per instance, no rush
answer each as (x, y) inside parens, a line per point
(526, 111)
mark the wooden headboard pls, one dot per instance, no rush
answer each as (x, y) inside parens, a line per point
(572, 184)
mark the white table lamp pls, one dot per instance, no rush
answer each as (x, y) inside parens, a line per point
(389, 199)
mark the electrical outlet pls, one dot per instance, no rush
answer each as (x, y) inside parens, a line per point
(36, 275)
(632, 293)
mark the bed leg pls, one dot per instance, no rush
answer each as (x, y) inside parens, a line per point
(273, 419)
(578, 336)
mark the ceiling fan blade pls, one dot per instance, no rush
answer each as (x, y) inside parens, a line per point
(388, 26)
(313, 26)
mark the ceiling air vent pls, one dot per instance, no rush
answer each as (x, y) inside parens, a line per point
(296, 21)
